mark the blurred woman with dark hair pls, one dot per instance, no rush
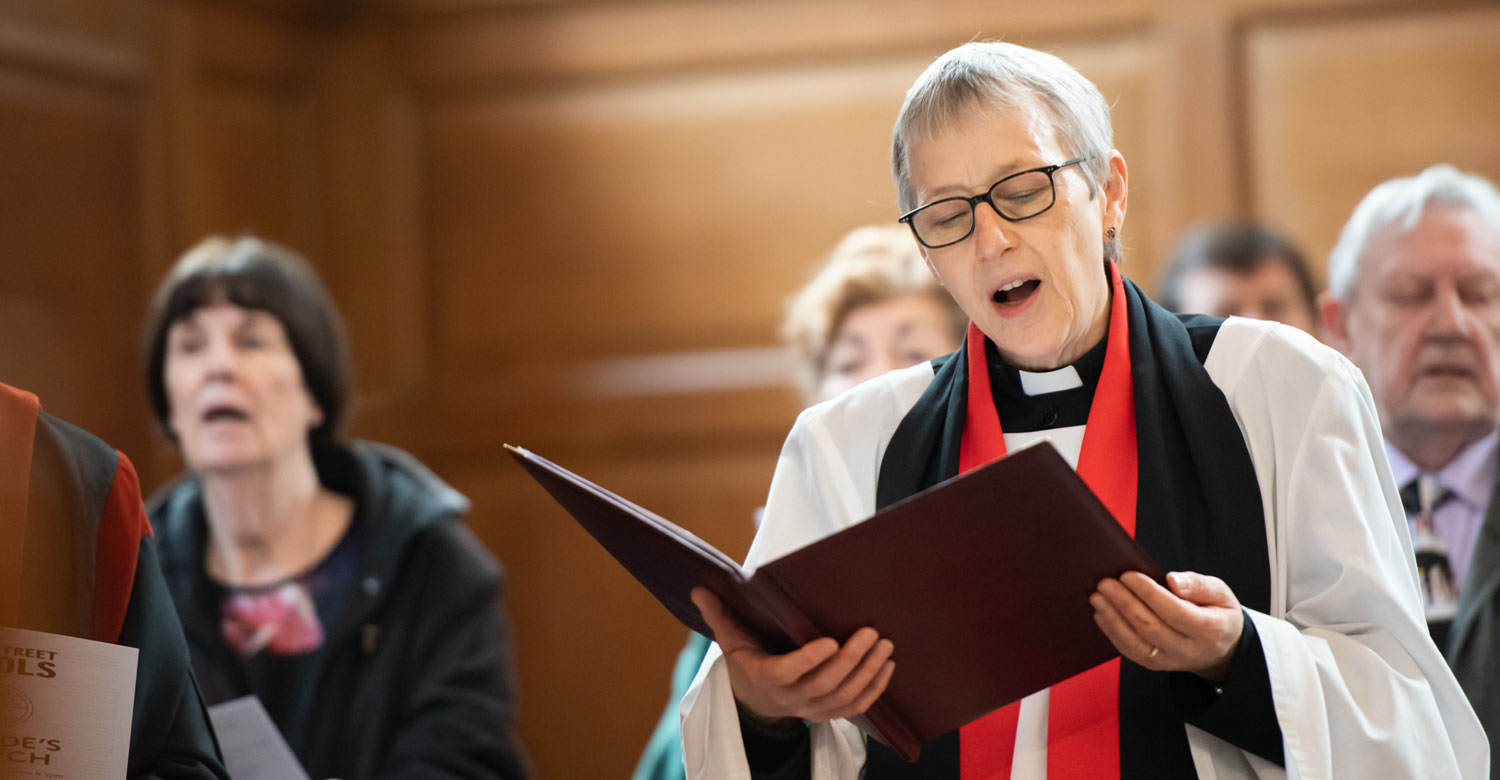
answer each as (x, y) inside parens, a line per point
(335, 581)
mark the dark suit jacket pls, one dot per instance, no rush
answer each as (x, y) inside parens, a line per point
(1473, 646)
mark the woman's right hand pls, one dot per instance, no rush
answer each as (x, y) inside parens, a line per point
(819, 681)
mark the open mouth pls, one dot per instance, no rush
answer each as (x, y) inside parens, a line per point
(1017, 292)
(225, 414)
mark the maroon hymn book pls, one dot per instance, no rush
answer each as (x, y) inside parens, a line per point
(981, 582)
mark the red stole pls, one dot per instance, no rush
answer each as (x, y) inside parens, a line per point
(18, 410)
(1083, 721)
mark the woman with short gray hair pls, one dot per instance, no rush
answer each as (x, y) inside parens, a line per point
(1242, 455)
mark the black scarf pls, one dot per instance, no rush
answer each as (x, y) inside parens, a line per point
(1198, 508)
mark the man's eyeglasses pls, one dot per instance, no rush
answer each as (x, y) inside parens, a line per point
(1016, 197)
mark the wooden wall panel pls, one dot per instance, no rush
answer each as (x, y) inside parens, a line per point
(371, 221)
(1128, 72)
(579, 227)
(1336, 106)
(480, 41)
(244, 130)
(645, 217)
(75, 31)
(257, 175)
(71, 232)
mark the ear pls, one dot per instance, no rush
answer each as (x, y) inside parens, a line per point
(1335, 316)
(1116, 192)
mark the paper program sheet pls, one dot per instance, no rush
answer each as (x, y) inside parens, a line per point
(65, 706)
(253, 748)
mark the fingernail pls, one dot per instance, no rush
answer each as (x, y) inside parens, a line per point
(1178, 579)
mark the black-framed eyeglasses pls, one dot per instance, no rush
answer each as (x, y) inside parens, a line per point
(1016, 197)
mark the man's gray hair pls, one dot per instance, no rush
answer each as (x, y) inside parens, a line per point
(1003, 75)
(1395, 207)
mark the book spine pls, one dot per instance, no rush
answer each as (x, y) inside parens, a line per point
(881, 720)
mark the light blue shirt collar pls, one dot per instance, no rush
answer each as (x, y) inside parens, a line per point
(1470, 475)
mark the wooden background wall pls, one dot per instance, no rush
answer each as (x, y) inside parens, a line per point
(572, 225)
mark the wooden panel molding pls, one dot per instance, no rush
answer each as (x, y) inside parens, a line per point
(552, 41)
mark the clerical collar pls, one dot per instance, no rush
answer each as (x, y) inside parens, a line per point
(1043, 382)
(1037, 401)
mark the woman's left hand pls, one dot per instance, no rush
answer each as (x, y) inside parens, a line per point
(1194, 627)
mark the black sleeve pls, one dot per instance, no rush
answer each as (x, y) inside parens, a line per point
(1241, 710)
(170, 735)
(462, 703)
(776, 753)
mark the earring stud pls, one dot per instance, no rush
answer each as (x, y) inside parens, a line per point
(1110, 234)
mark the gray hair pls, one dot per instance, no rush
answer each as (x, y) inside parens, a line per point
(1003, 75)
(1395, 207)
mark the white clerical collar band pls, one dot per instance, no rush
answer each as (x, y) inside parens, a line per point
(1043, 382)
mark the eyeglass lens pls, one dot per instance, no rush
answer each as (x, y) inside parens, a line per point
(1015, 198)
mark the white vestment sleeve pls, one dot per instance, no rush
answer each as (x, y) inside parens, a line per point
(824, 481)
(1359, 688)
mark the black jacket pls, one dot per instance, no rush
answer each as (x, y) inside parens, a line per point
(415, 677)
(1474, 637)
(87, 569)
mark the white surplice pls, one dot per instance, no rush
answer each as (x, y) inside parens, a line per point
(1359, 689)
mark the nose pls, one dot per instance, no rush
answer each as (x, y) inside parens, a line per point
(881, 362)
(991, 231)
(1448, 315)
(221, 359)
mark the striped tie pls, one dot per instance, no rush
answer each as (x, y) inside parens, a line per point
(1421, 498)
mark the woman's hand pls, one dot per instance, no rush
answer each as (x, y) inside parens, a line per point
(1194, 627)
(819, 681)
